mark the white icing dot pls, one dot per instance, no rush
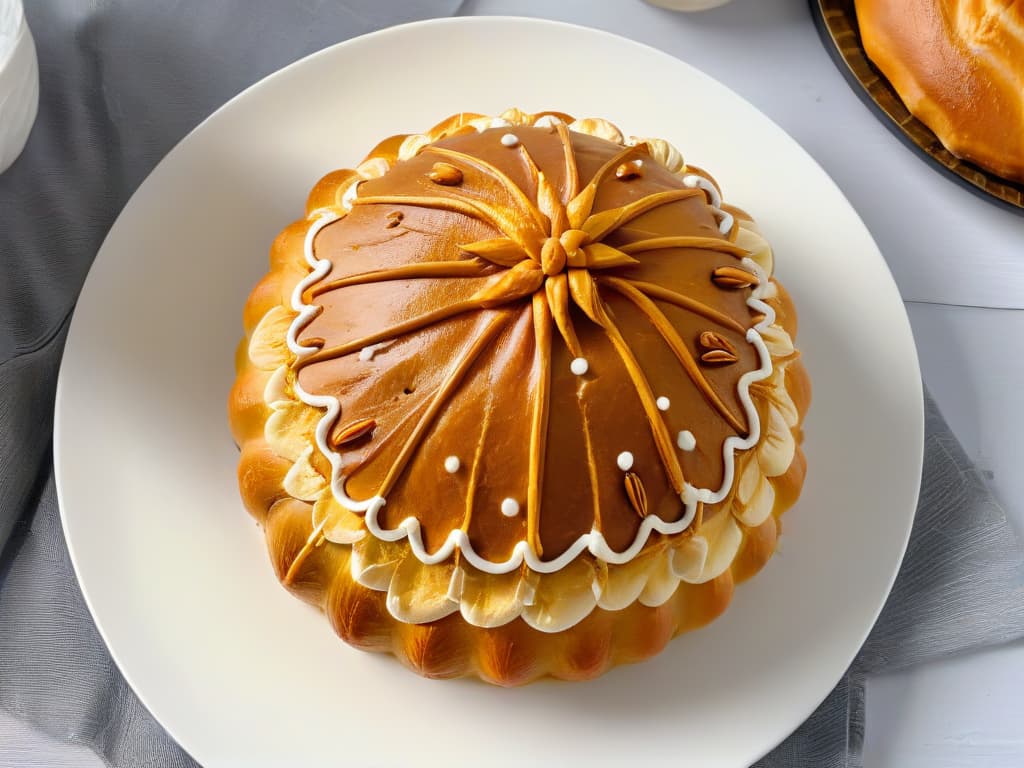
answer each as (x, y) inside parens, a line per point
(579, 366)
(452, 464)
(625, 461)
(510, 140)
(509, 507)
(366, 353)
(686, 440)
(663, 403)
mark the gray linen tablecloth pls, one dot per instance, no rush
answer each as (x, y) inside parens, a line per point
(122, 81)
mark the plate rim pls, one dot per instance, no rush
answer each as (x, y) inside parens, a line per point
(915, 462)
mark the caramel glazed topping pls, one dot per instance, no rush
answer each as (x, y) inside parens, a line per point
(533, 334)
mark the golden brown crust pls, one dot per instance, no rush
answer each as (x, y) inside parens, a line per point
(320, 571)
(513, 654)
(958, 65)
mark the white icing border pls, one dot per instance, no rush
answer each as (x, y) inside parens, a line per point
(594, 542)
(725, 219)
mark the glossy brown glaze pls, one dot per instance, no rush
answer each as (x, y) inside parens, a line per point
(463, 266)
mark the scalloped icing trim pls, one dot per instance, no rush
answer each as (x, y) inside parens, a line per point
(594, 541)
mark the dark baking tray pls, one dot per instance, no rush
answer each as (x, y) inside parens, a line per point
(836, 21)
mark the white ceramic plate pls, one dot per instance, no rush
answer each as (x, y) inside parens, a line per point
(175, 572)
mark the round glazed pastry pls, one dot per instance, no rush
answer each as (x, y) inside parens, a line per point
(958, 65)
(518, 398)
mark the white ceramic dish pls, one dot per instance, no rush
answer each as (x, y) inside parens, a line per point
(19, 82)
(174, 571)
